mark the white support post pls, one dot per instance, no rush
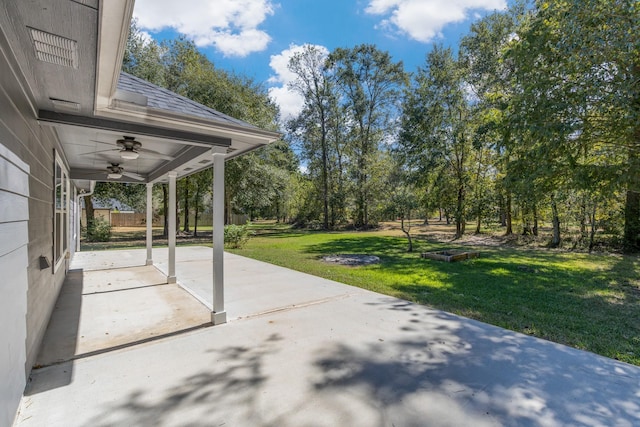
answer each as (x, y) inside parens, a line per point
(149, 223)
(78, 223)
(171, 278)
(218, 315)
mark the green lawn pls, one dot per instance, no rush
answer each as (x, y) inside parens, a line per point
(591, 302)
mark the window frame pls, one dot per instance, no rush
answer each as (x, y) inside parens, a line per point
(61, 192)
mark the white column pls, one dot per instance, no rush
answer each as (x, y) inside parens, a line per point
(218, 315)
(171, 278)
(78, 225)
(149, 222)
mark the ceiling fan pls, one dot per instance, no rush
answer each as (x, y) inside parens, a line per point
(130, 149)
(115, 171)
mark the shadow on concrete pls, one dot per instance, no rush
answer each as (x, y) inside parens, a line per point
(433, 369)
(61, 335)
(469, 373)
(236, 387)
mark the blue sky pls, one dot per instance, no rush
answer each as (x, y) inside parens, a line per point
(256, 37)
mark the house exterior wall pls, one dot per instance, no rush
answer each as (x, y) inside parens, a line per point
(27, 291)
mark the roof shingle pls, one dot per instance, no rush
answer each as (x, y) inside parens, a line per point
(164, 99)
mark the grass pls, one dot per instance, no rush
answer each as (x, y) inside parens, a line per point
(591, 302)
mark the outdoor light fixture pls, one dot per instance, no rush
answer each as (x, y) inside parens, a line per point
(114, 176)
(129, 154)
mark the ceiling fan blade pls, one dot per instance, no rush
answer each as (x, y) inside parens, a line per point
(102, 142)
(99, 152)
(91, 140)
(153, 154)
(132, 175)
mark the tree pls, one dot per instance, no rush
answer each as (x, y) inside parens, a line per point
(437, 128)
(578, 91)
(402, 203)
(143, 57)
(371, 84)
(315, 83)
(490, 79)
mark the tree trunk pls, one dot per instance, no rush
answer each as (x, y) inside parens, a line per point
(197, 209)
(632, 204)
(165, 209)
(526, 223)
(583, 217)
(186, 205)
(90, 211)
(535, 220)
(632, 221)
(90, 217)
(555, 240)
(478, 220)
(460, 220)
(407, 232)
(325, 178)
(593, 227)
(508, 218)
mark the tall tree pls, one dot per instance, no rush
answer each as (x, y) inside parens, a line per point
(490, 78)
(438, 127)
(371, 83)
(316, 84)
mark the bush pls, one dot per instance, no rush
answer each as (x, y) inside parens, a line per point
(98, 230)
(236, 236)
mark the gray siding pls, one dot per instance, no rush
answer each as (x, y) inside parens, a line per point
(27, 293)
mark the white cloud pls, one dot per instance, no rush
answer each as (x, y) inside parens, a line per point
(290, 102)
(231, 26)
(423, 20)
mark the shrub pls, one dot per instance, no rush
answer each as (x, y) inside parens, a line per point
(98, 230)
(236, 236)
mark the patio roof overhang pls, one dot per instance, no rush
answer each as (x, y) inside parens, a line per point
(69, 53)
(107, 125)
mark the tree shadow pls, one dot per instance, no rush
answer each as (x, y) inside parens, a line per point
(442, 370)
(236, 387)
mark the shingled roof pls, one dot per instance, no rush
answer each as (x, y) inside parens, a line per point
(164, 99)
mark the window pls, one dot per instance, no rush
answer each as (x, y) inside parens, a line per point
(61, 215)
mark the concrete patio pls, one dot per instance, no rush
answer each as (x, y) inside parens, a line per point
(303, 351)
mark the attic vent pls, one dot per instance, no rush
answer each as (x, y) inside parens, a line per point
(55, 49)
(187, 169)
(204, 162)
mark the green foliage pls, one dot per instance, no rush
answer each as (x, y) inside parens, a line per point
(575, 103)
(98, 230)
(236, 236)
(371, 84)
(437, 127)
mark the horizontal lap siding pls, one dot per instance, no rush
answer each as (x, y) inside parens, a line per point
(27, 292)
(14, 260)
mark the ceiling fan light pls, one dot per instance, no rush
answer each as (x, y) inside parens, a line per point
(129, 154)
(114, 176)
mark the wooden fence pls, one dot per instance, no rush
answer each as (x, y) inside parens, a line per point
(127, 219)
